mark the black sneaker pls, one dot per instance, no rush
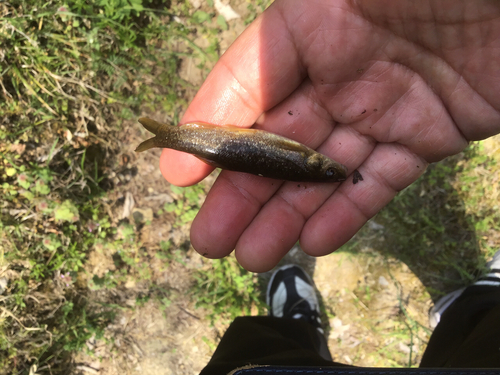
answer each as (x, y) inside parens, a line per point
(291, 294)
(492, 278)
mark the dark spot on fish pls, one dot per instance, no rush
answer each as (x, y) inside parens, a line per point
(298, 185)
(356, 177)
(375, 110)
(418, 166)
(204, 254)
(290, 113)
(364, 111)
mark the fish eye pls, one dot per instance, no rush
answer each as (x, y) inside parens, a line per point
(330, 172)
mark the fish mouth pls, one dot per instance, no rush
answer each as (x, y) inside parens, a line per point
(345, 174)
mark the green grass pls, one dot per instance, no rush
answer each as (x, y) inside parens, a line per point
(69, 75)
(226, 290)
(443, 226)
(186, 206)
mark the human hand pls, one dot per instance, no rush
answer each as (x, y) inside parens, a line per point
(381, 86)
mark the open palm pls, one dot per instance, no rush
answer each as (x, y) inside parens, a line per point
(382, 86)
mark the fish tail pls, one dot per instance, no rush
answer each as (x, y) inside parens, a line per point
(151, 125)
(156, 128)
(147, 144)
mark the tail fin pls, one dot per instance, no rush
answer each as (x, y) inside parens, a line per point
(155, 128)
(151, 125)
(146, 145)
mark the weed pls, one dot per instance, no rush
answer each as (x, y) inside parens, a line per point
(69, 75)
(429, 227)
(226, 290)
(186, 206)
(255, 8)
(443, 227)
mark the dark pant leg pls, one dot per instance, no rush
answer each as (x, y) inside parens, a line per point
(468, 334)
(264, 340)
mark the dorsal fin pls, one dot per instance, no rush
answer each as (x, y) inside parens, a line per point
(284, 143)
(205, 125)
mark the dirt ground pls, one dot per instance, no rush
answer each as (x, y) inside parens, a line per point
(363, 328)
(364, 295)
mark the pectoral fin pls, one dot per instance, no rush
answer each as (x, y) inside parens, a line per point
(209, 162)
(291, 145)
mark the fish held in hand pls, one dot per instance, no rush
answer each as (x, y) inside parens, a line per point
(245, 150)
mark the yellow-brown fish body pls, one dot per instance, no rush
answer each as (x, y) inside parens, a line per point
(245, 150)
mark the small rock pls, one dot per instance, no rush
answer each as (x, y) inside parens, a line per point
(3, 284)
(338, 329)
(347, 359)
(406, 348)
(128, 205)
(130, 302)
(383, 281)
(226, 11)
(142, 215)
(129, 284)
(375, 226)
(195, 3)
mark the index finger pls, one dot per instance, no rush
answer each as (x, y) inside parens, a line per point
(252, 76)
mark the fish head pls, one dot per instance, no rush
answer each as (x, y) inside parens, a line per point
(325, 169)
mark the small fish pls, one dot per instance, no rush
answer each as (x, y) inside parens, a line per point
(245, 150)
